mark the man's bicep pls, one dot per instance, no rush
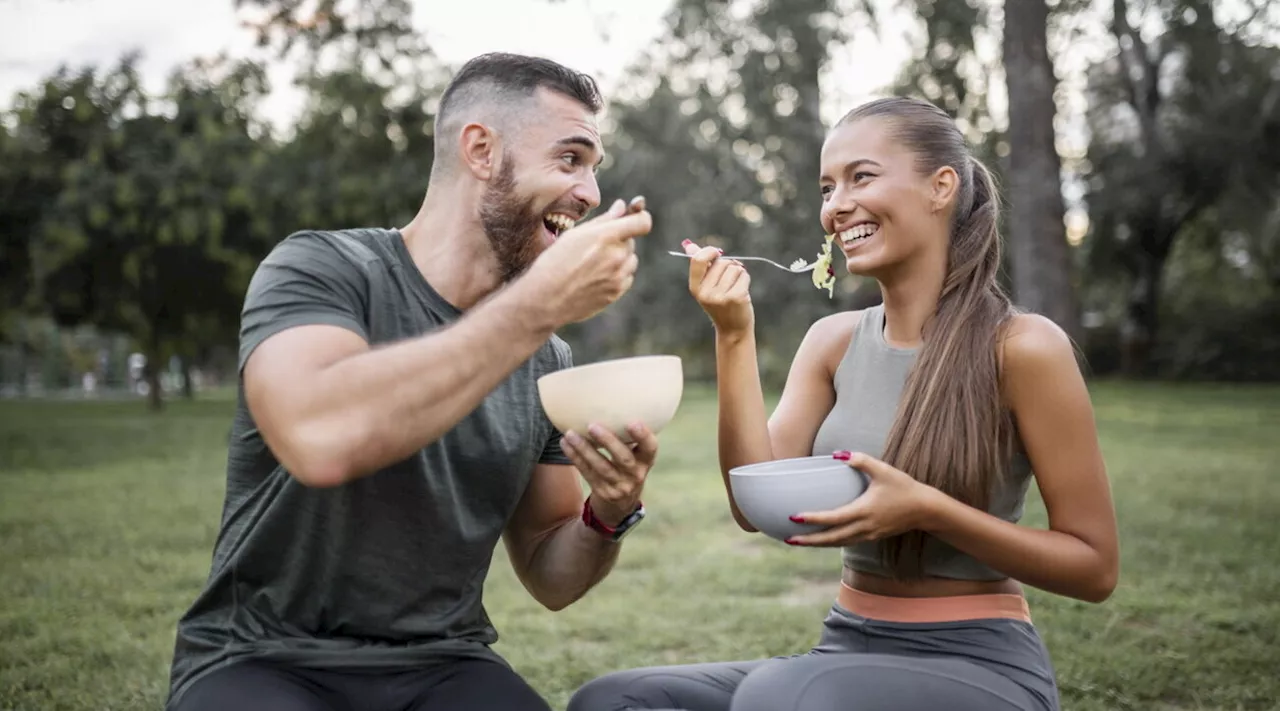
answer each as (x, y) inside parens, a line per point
(552, 498)
(304, 281)
(303, 311)
(283, 366)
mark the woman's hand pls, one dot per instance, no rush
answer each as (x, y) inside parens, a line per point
(720, 287)
(893, 503)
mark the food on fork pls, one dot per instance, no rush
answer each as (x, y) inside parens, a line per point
(824, 275)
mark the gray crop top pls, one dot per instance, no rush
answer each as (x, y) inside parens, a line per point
(868, 384)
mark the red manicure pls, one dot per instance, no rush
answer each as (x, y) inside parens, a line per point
(843, 455)
(797, 519)
(686, 243)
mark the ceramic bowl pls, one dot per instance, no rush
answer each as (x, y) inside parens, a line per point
(614, 393)
(769, 493)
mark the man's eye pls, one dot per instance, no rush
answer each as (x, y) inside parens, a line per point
(570, 158)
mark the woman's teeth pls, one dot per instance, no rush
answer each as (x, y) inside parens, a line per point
(558, 223)
(861, 232)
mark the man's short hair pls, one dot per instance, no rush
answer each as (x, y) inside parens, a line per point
(506, 81)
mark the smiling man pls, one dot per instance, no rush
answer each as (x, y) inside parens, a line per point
(389, 433)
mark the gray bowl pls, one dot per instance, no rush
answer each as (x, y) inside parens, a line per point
(769, 493)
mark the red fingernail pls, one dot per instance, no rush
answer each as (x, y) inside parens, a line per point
(686, 243)
(721, 251)
(843, 455)
(793, 542)
(797, 519)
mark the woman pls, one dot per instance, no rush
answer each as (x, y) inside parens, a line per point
(947, 400)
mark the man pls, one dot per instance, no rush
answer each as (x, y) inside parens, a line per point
(389, 429)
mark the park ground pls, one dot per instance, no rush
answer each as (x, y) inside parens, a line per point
(108, 513)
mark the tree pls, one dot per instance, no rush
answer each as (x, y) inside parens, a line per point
(720, 128)
(1042, 269)
(152, 229)
(1179, 125)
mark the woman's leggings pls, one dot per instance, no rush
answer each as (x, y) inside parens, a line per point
(860, 664)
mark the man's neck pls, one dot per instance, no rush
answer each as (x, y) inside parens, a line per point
(449, 247)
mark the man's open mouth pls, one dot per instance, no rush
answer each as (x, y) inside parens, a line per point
(557, 223)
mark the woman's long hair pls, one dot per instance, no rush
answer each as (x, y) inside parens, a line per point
(951, 430)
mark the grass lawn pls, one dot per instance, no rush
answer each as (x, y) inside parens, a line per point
(108, 513)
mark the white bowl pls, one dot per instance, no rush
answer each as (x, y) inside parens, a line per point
(769, 493)
(614, 393)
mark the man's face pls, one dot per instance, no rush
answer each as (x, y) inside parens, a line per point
(545, 184)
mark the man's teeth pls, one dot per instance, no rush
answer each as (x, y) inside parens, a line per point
(560, 222)
(862, 231)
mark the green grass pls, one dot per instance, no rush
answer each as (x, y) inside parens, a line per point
(107, 515)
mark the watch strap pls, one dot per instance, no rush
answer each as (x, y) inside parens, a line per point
(613, 533)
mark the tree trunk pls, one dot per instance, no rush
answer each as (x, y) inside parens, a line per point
(1040, 254)
(151, 372)
(188, 387)
(1142, 317)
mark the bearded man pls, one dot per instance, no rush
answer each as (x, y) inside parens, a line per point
(388, 430)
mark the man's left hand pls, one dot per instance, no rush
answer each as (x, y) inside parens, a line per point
(617, 480)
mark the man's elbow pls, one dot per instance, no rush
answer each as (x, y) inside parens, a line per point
(320, 455)
(320, 474)
(556, 604)
(555, 598)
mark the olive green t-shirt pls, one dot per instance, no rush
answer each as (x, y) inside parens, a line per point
(386, 572)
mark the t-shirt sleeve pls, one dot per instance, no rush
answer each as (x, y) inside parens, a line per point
(552, 452)
(305, 280)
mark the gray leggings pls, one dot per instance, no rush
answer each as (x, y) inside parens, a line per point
(858, 665)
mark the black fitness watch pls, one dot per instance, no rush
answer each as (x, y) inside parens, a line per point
(614, 533)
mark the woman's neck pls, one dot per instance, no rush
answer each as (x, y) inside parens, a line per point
(910, 300)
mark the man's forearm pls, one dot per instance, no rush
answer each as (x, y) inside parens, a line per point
(376, 408)
(570, 561)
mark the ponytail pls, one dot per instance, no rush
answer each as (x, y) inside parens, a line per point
(951, 430)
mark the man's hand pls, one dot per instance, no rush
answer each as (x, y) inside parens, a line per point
(590, 266)
(617, 480)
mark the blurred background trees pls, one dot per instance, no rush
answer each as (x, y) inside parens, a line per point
(1141, 188)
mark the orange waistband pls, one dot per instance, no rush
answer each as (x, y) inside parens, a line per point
(933, 609)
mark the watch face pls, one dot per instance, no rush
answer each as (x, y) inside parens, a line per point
(628, 523)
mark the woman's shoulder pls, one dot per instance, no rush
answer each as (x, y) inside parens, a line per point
(1031, 336)
(1033, 347)
(829, 337)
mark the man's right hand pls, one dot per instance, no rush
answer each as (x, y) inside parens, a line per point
(590, 266)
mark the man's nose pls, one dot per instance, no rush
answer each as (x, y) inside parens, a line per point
(588, 191)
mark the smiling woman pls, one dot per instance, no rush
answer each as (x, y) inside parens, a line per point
(948, 403)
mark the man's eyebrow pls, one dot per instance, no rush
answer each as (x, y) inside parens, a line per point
(585, 143)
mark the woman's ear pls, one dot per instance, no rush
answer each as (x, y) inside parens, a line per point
(944, 185)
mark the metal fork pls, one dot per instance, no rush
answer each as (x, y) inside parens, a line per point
(794, 270)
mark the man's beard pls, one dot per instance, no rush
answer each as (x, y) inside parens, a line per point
(509, 221)
(512, 225)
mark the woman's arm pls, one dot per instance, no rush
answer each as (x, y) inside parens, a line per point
(1079, 555)
(745, 435)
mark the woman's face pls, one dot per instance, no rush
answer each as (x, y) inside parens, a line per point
(882, 210)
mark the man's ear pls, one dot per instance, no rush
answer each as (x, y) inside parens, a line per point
(943, 187)
(478, 150)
